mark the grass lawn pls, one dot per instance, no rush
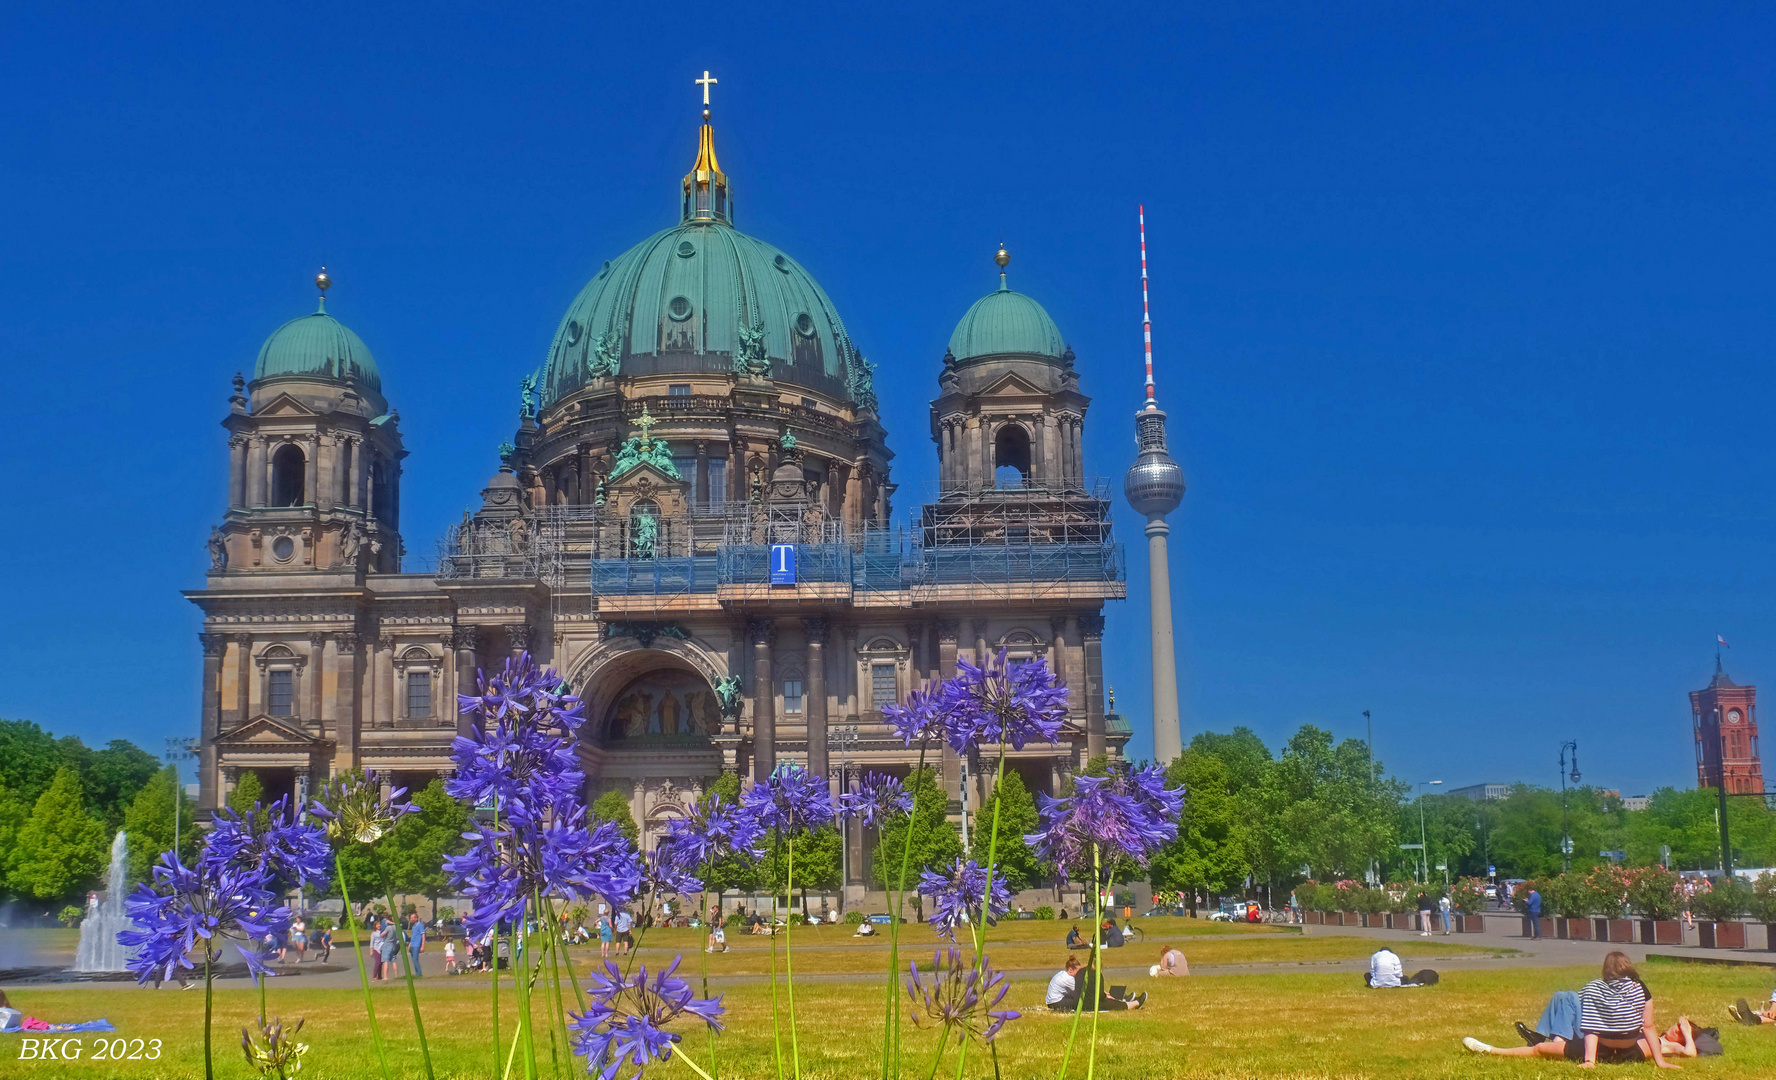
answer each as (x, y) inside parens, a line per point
(1283, 1024)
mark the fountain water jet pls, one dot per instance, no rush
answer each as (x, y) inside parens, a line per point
(99, 950)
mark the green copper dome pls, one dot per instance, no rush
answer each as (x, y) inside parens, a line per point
(1004, 323)
(700, 297)
(316, 345)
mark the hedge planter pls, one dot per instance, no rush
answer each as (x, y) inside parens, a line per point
(1351, 918)
(1770, 936)
(1573, 929)
(1470, 924)
(1661, 932)
(1721, 935)
(1615, 931)
(1374, 922)
(1313, 918)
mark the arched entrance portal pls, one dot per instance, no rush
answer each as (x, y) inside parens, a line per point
(651, 714)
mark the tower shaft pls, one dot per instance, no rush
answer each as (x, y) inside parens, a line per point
(1168, 730)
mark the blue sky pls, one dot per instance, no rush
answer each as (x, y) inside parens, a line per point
(1461, 313)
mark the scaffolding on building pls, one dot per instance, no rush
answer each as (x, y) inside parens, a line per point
(1026, 543)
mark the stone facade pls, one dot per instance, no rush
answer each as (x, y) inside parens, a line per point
(628, 540)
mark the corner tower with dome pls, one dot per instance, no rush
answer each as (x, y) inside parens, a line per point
(694, 521)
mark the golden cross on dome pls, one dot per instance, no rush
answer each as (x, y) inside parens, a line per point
(705, 82)
(646, 424)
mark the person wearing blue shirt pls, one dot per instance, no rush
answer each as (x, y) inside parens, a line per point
(415, 940)
(1533, 905)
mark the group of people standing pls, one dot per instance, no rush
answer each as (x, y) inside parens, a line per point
(385, 945)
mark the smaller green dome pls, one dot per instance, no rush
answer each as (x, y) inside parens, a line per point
(316, 344)
(1004, 323)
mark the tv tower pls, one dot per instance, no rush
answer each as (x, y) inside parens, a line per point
(1155, 487)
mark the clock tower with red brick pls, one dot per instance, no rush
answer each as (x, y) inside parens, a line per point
(1724, 718)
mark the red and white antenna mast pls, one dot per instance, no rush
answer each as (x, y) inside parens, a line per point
(1146, 318)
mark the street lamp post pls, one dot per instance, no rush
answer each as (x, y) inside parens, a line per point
(178, 750)
(845, 735)
(1424, 851)
(1566, 840)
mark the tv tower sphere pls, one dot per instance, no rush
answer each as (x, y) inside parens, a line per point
(1155, 483)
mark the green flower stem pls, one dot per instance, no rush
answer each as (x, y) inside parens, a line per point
(521, 982)
(681, 1056)
(493, 965)
(795, 1049)
(261, 981)
(1091, 1061)
(558, 1018)
(980, 929)
(944, 1038)
(776, 1031)
(351, 925)
(209, 1000)
(891, 1021)
(401, 947)
(1078, 1007)
(709, 928)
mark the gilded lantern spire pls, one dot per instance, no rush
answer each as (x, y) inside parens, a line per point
(706, 196)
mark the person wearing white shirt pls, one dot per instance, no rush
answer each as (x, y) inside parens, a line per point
(1384, 968)
(1443, 906)
(1063, 989)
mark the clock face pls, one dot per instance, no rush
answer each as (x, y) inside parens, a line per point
(1734, 716)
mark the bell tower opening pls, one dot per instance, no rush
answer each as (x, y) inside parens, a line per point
(287, 468)
(1011, 457)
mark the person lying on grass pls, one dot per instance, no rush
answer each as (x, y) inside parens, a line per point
(1679, 1040)
(1745, 1014)
(1615, 1023)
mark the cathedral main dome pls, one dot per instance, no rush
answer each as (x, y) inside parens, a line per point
(701, 296)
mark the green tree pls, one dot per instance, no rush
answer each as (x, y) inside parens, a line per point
(13, 814)
(817, 863)
(1017, 818)
(413, 852)
(1318, 806)
(29, 758)
(113, 777)
(60, 848)
(148, 824)
(1243, 753)
(247, 791)
(1210, 852)
(612, 806)
(936, 842)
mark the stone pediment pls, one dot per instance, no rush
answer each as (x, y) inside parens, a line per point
(646, 477)
(1012, 384)
(283, 406)
(265, 731)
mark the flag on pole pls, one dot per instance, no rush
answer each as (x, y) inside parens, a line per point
(1721, 640)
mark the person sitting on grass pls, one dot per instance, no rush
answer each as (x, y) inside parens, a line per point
(1171, 961)
(1386, 972)
(1063, 988)
(1107, 998)
(1615, 1024)
(865, 929)
(1074, 941)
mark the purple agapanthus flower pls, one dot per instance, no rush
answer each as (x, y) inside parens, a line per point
(1003, 703)
(713, 828)
(957, 895)
(292, 852)
(569, 857)
(876, 799)
(960, 997)
(193, 908)
(518, 757)
(626, 1018)
(920, 717)
(1129, 814)
(792, 800)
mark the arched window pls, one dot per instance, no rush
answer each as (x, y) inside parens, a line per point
(1011, 456)
(287, 469)
(380, 493)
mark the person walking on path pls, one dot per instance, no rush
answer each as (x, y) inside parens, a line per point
(1533, 905)
(416, 935)
(1425, 906)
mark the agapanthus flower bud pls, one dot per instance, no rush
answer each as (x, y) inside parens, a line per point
(960, 997)
(958, 893)
(355, 809)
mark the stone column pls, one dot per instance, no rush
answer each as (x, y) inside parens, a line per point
(1057, 662)
(349, 470)
(311, 472)
(327, 493)
(588, 493)
(243, 686)
(237, 471)
(850, 689)
(947, 631)
(382, 693)
(346, 695)
(980, 642)
(209, 723)
(1091, 630)
(762, 633)
(702, 474)
(316, 650)
(814, 695)
(915, 633)
(1079, 449)
(1039, 449)
(466, 640)
(256, 470)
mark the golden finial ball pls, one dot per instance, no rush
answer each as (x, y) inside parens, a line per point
(706, 116)
(1002, 257)
(322, 281)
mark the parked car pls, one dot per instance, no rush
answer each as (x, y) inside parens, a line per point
(1231, 912)
(1165, 911)
(883, 918)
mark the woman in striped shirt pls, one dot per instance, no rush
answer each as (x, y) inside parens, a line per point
(1616, 1018)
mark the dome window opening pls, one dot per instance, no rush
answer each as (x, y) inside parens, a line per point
(287, 469)
(283, 549)
(678, 332)
(781, 263)
(804, 345)
(574, 330)
(1011, 457)
(686, 249)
